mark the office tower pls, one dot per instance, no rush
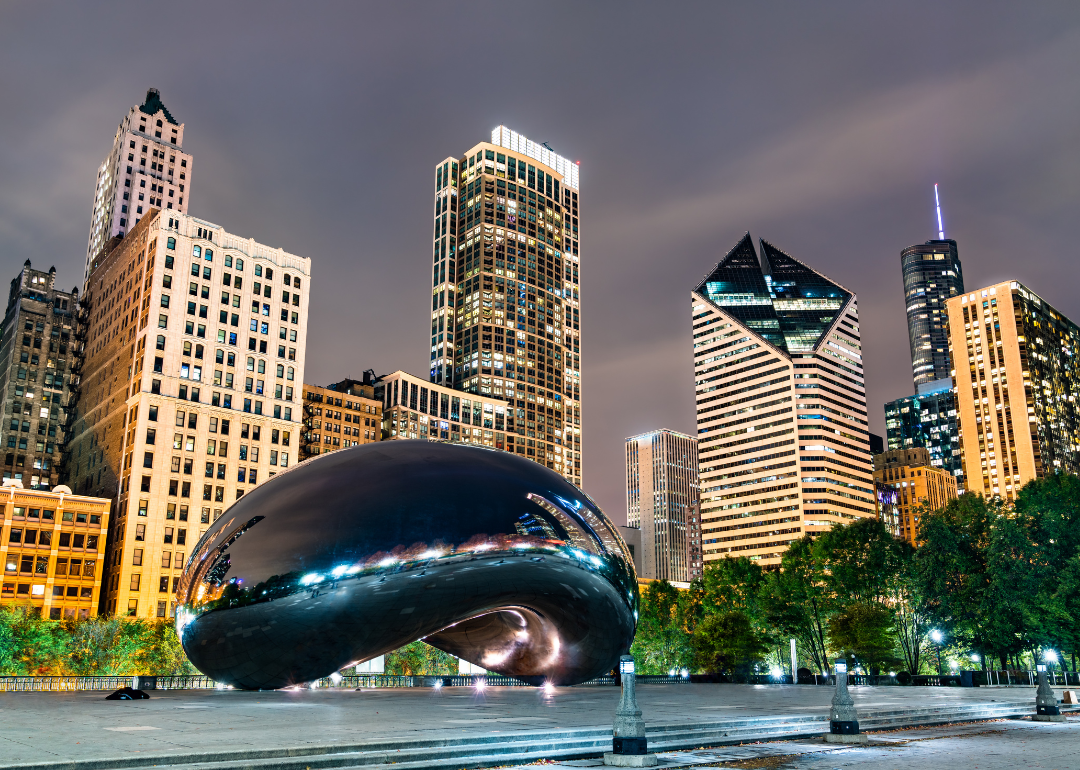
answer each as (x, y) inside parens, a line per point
(932, 274)
(146, 168)
(38, 361)
(1017, 376)
(927, 419)
(661, 501)
(52, 549)
(783, 441)
(191, 391)
(339, 416)
(415, 408)
(915, 483)
(505, 312)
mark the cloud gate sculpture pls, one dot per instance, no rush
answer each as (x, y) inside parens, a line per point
(488, 556)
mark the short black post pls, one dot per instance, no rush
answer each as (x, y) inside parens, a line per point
(1046, 705)
(843, 719)
(629, 746)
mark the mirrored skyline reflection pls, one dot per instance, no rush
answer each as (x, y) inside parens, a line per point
(315, 129)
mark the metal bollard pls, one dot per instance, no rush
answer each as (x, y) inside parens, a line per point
(843, 719)
(1046, 705)
(629, 746)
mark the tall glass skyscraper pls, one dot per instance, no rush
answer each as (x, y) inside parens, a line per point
(932, 274)
(927, 419)
(783, 440)
(505, 312)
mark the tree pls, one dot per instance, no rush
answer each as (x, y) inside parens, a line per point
(797, 600)
(864, 630)
(731, 585)
(420, 659)
(860, 560)
(662, 642)
(29, 644)
(727, 643)
(910, 618)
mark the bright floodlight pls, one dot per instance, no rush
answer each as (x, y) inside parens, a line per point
(975, 657)
(549, 688)
(936, 636)
(438, 684)
(480, 685)
(1050, 655)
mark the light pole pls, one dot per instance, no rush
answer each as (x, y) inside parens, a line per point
(937, 636)
(629, 746)
(843, 719)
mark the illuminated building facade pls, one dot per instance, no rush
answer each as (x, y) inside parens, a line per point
(146, 168)
(505, 302)
(415, 408)
(1017, 374)
(51, 545)
(38, 376)
(783, 441)
(914, 483)
(928, 419)
(339, 416)
(661, 501)
(191, 392)
(932, 274)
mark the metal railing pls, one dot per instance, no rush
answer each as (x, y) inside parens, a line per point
(76, 683)
(379, 681)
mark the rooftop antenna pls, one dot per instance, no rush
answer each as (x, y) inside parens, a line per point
(937, 202)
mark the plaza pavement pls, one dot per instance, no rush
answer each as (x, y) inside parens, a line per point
(69, 727)
(992, 745)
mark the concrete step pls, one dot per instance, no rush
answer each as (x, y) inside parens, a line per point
(477, 751)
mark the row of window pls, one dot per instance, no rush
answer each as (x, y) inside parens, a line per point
(39, 565)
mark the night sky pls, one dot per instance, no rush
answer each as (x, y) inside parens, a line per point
(821, 127)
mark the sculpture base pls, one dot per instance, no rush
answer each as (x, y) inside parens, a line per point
(846, 738)
(1048, 718)
(629, 760)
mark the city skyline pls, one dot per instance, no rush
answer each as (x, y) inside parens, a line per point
(860, 166)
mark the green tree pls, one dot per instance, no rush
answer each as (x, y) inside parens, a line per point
(731, 585)
(797, 601)
(30, 644)
(420, 659)
(911, 620)
(727, 643)
(860, 560)
(662, 642)
(864, 631)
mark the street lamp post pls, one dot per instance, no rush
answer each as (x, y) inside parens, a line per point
(937, 637)
(843, 718)
(629, 746)
(1046, 705)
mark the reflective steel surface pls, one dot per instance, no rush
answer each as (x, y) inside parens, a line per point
(483, 554)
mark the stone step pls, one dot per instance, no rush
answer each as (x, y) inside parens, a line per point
(477, 751)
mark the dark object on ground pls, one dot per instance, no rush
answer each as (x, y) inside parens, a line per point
(127, 693)
(483, 554)
(903, 677)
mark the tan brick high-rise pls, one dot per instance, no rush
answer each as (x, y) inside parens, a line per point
(191, 392)
(505, 301)
(1017, 375)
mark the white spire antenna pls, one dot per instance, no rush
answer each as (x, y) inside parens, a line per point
(937, 202)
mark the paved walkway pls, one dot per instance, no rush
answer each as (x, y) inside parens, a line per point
(996, 745)
(44, 727)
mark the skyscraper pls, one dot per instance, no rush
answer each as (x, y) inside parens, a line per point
(932, 274)
(783, 440)
(191, 391)
(505, 312)
(38, 363)
(145, 167)
(1017, 374)
(661, 501)
(927, 419)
